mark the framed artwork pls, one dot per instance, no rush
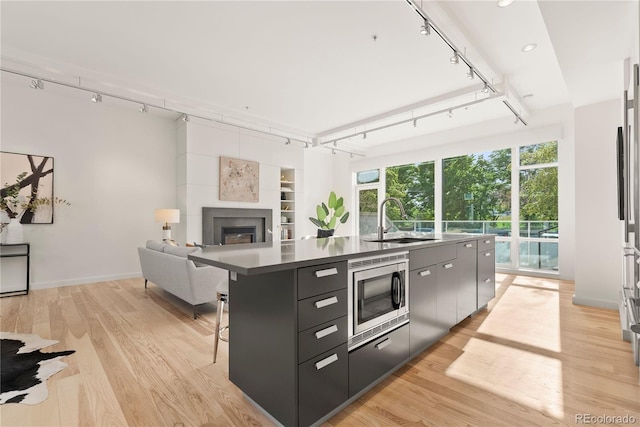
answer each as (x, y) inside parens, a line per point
(239, 180)
(34, 176)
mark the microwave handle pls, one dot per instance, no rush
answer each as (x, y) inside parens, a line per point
(396, 290)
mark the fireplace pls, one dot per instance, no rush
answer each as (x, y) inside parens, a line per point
(227, 226)
(236, 235)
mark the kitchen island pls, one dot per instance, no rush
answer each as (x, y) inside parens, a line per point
(290, 351)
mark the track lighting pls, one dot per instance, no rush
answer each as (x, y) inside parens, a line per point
(36, 84)
(450, 114)
(184, 118)
(335, 143)
(515, 122)
(351, 155)
(470, 74)
(364, 135)
(333, 151)
(485, 88)
(425, 30)
(455, 58)
(415, 123)
(96, 98)
(288, 141)
(306, 145)
(143, 108)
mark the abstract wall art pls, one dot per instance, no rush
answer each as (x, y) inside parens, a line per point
(239, 180)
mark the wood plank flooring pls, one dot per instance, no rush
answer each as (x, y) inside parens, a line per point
(532, 358)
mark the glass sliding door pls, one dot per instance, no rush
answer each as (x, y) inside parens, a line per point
(538, 228)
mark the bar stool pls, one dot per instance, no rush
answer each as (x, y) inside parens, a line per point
(222, 290)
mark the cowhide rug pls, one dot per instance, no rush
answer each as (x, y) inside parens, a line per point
(24, 369)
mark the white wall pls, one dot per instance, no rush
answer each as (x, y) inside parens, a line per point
(112, 163)
(598, 231)
(200, 145)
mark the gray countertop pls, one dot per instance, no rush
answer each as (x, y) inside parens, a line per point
(257, 258)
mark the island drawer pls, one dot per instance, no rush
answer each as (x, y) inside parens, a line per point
(322, 384)
(370, 362)
(429, 256)
(321, 308)
(486, 244)
(321, 338)
(321, 279)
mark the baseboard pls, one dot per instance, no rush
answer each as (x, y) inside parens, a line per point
(613, 305)
(82, 281)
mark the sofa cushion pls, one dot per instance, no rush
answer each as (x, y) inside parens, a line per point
(181, 251)
(155, 245)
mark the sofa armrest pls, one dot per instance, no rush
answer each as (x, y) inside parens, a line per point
(204, 281)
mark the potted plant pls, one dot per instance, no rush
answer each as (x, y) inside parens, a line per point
(15, 206)
(330, 215)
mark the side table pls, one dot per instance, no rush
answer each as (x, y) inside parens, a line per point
(14, 269)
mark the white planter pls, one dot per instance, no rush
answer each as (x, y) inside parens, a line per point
(14, 232)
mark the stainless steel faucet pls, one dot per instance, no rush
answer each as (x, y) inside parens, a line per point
(381, 226)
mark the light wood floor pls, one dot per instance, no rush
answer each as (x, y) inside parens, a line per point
(532, 358)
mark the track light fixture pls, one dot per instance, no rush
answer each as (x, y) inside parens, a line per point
(306, 145)
(455, 59)
(364, 135)
(450, 114)
(415, 123)
(485, 88)
(96, 98)
(333, 151)
(143, 108)
(184, 118)
(288, 141)
(470, 74)
(425, 30)
(515, 122)
(36, 84)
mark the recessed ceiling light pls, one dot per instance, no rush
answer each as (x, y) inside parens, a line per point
(529, 47)
(504, 3)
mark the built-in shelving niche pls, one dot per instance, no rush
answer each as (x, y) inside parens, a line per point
(287, 204)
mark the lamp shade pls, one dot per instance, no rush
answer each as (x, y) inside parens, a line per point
(168, 216)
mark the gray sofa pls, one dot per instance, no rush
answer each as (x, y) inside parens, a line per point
(168, 267)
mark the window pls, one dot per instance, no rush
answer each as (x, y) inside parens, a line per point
(476, 193)
(413, 185)
(538, 246)
(367, 211)
(367, 177)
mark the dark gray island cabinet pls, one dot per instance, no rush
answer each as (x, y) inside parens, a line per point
(290, 319)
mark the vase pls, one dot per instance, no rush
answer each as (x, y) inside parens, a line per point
(325, 233)
(14, 231)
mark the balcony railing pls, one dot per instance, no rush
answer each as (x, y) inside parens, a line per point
(537, 240)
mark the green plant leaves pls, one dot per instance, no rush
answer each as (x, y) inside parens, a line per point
(331, 214)
(317, 223)
(332, 200)
(322, 213)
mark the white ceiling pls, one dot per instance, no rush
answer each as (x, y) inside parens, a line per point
(327, 69)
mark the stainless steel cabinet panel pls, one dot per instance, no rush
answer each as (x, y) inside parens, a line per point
(323, 384)
(467, 296)
(486, 244)
(486, 277)
(321, 279)
(321, 338)
(447, 294)
(321, 308)
(371, 361)
(424, 326)
(431, 256)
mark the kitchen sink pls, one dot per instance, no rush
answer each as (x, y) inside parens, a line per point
(403, 240)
